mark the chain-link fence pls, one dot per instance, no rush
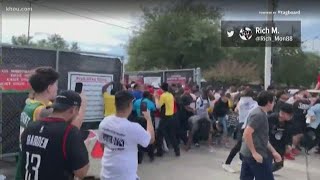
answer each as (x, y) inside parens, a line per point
(12, 104)
(17, 62)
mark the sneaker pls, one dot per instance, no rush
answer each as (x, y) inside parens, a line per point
(211, 149)
(295, 152)
(228, 168)
(289, 156)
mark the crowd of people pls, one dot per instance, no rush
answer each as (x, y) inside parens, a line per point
(268, 126)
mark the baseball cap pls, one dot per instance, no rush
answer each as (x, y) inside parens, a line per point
(66, 100)
(287, 108)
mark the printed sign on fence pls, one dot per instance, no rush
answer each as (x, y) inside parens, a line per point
(92, 85)
(136, 78)
(14, 79)
(154, 81)
(179, 77)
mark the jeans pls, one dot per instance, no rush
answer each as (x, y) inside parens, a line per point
(223, 123)
(251, 169)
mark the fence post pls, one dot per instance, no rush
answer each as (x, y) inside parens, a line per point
(57, 61)
(123, 67)
(198, 74)
(164, 76)
(1, 121)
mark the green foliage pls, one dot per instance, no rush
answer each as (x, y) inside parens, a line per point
(54, 41)
(235, 72)
(176, 36)
(187, 35)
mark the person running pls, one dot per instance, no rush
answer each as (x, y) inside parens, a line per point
(244, 106)
(256, 163)
(221, 109)
(300, 108)
(279, 133)
(201, 117)
(44, 89)
(168, 124)
(53, 148)
(120, 139)
(185, 112)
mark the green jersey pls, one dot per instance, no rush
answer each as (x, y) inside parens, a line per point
(27, 114)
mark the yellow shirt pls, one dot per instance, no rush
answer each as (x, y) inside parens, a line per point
(109, 104)
(167, 99)
(230, 103)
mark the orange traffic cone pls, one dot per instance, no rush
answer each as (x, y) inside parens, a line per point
(97, 150)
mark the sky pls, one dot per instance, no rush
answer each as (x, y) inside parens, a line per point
(106, 26)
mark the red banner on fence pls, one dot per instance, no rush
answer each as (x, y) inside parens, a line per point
(176, 79)
(14, 79)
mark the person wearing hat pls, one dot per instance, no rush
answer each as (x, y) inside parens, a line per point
(279, 133)
(53, 148)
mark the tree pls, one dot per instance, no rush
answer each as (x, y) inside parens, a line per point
(181, 35)
(22, 40)
(74, 46)
(54, 41)
(293, 67)
(231, 71)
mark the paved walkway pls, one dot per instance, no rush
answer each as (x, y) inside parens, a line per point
(201, 164)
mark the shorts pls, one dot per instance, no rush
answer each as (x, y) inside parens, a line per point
(194, 123)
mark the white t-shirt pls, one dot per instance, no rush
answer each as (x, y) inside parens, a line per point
(120, 138)
(245, 105)
(202, 106)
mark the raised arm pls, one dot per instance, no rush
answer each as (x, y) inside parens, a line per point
(105, 87)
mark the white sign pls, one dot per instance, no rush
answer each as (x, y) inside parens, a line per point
(92, 87)
(154, 81)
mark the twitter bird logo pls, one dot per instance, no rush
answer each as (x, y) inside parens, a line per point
(230, 33)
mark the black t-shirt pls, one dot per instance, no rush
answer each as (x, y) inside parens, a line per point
(279, 133)
(52, 149)
(221, 108)
(186, 100)
(300, 110)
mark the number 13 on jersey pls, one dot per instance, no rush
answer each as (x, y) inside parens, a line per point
(34, 161)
